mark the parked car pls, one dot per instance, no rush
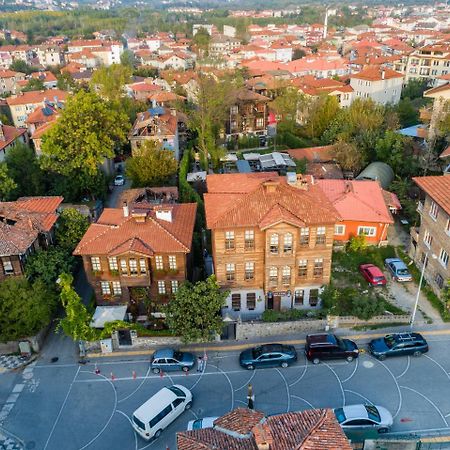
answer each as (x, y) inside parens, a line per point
(398, 269)
(199, 424)
(321, 346)
(398, 344)
(268, 355)
(372, 274)
(168, 359)
(159, 411)
(119, 180)
(364, 418)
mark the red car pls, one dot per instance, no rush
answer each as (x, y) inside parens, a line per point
(372, 274)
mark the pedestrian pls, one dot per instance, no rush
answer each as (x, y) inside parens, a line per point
(199, 364)
(250, 397)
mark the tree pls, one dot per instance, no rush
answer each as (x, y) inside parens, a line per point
(66, 82)
(76, 323)
(298, 53)
(201, 40)
(5, 120)
(194, 313)
(151, 166)
(109, 81)
(348, 156)
(322, 111)
(408, 115)
(85, 134)
(25, 308)
(7, 184)
(70, 228)
(286, 105)
(24, 169)
(414, 88)
(127, 58)
(46, 265)
(21, 66)
(34, 84)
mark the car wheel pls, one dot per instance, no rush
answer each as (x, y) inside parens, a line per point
(383, 430)
(157, 434)
(349, 358)
(188, 406)
(156, 370)
(250, 367)
(316, 361)
(185, 369)
(284, 364)
(381, 357)
(417, 354)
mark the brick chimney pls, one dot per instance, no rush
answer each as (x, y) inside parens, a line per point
(262, 436)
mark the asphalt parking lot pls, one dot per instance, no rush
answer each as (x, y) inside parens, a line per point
(70, 407)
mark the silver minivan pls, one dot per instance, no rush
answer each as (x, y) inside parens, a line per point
(158, 412)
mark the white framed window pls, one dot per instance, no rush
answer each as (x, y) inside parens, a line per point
(229, 240)
(251, 301)
(367, 231)
(286, 275)
(95, 261)
(434, 210)
(142, 265)
(318, 267)
(8, 268)
(117, 289)
(113, 263)
(273, 275)
(172, 262)
(304, 236)
(159, 262)
(321, 235)
(299, 296)
(339, 230)
(249, 238)
(230, 271)
(447, 227)
(106, 288)
(161, 287)
(249, 270)
(302, 268)
(133, 266)
(174, 286)
(443, 257)
(260, 122)
(427, 239)
(274, 243)
(236, 302)
(234, 109)
(123, 266)
(287, 241)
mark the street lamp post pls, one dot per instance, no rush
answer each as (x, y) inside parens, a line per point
(413, 315)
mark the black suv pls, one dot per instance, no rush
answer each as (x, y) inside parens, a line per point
(398, 344)
(328, 346)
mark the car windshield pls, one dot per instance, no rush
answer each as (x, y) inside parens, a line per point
(177, 391)
(178, 356)
(389, 340)
(197, 425)
(340, 415)
(341, 344)
(402, 271)
(378, 278)
(372, 413)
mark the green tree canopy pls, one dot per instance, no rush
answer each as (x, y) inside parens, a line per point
(348, 156)
(85, 134)
(194, 313)
(286, 105)
(151, 166)
(34, 84)
(66, 82)
(21, 66)
(25, 308)
(109, 81)
(322, 111)
(70, 228)
(7, 184)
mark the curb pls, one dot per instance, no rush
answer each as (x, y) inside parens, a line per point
(243, 346)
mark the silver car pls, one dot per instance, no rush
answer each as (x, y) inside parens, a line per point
(398, 269)
(364, 417)
(199, 424)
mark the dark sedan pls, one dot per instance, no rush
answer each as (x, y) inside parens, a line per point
(398, 344)
(270, 355)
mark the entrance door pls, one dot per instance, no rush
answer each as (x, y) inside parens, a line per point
(269, 300)
(277, 302)
(124, 337)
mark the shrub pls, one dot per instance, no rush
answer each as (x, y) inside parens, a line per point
(357, 243)
(270, 315)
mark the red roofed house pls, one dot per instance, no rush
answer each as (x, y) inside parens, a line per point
(142, 245)
(9, 136)
(246, 429)
(382, 85)
(362, 208)
(432, 238)
(8, 81)
(272, 239)
(25, 226)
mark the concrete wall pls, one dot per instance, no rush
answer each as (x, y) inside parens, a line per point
(36, 343)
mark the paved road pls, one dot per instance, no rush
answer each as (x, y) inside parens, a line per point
(68, 406)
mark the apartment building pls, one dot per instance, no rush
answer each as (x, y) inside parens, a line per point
(8, 81)
(50, 55)
(9, 137)
(382, 85)
(432, 237)
(221, 45)
(272, 240)
(141, 245)
(428, 62)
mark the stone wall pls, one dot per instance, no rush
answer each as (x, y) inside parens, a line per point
(35, 342)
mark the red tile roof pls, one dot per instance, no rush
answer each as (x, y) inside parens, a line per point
(10, 134)
(355, 200)
(438, 188)
(376, 74)
(445, 153)
(6, 73)
(114, 234)
(313, 154)
(33, 97)
(315, 429)
(248, 200)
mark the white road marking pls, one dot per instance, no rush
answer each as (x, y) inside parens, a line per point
(340, 384)
(407, 367)
(353, 373)
(359, 395)
(439, 365)
(303, 400)
(134, 432)
(247, 383)
(137, 388)
(398, 388)
(193, 413)
(287, 390)
(229, 382)
(18, 388)
(61, 409)
(301, 376)
(428, 400)
(12, 398)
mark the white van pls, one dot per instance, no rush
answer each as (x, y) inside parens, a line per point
(161, 410)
